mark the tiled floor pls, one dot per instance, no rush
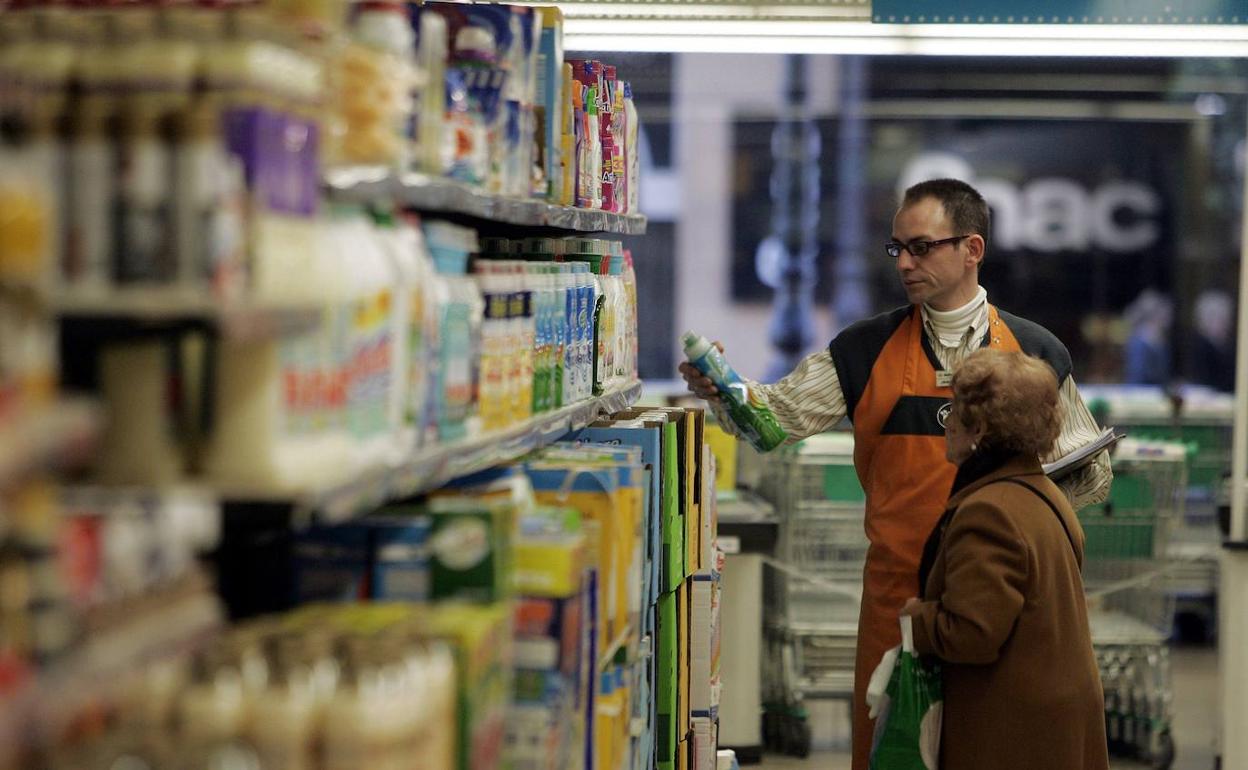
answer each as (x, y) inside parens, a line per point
(1195, 707)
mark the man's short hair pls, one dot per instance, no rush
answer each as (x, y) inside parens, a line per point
(966, 208)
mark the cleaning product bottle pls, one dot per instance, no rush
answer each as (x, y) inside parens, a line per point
(754, 420)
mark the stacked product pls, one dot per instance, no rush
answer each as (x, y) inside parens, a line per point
(414, 344)
(606, 484)
(187, 148)
(481, 93)
(182, 145)
(612, 563)
(324, 687)
(96, 583)
(679, 683)
(546, 725)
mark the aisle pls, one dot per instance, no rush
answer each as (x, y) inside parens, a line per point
(1196, 714)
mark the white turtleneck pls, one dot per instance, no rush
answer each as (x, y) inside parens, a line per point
(952, 326)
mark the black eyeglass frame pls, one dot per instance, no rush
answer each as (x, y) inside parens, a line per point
(893, 248)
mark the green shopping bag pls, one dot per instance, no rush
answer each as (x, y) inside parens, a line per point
(909, 709)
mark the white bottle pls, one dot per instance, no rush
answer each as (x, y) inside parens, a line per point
(401, 243)
(493, 385)
(385, 26)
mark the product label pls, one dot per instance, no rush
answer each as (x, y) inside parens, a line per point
(462, 544)
(369, 366)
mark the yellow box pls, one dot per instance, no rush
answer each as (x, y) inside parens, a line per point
(724, 445)
(549, 569)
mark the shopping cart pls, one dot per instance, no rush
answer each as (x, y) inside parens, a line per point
(1201, 420)
(816, 581)
(1130, 609)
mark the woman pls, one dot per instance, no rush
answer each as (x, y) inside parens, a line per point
(1003, 604)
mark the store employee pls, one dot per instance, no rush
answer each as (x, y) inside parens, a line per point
(890, 374)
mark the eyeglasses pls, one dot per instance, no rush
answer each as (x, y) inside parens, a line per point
(918, 248)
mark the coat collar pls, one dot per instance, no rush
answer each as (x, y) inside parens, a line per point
(1020, 465)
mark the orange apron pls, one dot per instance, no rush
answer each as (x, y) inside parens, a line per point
(899, 454)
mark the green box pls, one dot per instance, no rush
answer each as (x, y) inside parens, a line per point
(470, 549)
(667, 686)
(673, 523)
(840, 484)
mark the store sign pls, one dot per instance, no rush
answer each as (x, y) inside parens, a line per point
(1051, 214)
(1060, 12)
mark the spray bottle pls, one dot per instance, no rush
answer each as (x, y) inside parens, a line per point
(755, 421)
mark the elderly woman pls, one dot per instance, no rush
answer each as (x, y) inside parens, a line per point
(1002, 600)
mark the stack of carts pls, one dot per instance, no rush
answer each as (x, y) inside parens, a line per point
(816, 584)
(1129, 607)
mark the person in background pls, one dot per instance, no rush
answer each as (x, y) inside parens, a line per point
(1146, 360)
(890, 376)
(1212, 352)
(1002, 601)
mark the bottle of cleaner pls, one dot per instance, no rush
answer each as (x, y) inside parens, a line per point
(754, 420)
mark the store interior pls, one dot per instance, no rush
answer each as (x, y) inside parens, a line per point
(340, 416)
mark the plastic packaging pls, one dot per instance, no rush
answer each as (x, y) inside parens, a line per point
(753, 419)
(632, 153)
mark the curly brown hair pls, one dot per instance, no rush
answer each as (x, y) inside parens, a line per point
(1011, 397)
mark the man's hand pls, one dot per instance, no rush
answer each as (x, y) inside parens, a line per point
(699, 384)
(911, 607)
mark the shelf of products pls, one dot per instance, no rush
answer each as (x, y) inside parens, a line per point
(44, 437)
(257, 258)
(422, 192)
(435, 467)
(128, 647)
(156, 306)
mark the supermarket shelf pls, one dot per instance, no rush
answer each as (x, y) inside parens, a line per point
(125, 639)
(435, 467)
(162, 305)
(447, 196)
(45, 438)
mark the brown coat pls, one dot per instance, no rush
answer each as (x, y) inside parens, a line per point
(1008, 617)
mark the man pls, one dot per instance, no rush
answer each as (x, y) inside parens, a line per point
(890, 375)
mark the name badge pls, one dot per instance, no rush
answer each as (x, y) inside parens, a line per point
(944, 378)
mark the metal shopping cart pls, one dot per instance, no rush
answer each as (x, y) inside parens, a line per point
(1130, 609)
(816, 584)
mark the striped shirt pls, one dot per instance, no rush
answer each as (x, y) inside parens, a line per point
(810, 400)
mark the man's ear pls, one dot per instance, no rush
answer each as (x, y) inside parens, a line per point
(975, 248)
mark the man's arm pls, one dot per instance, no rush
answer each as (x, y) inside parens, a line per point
(806, 402)
(1090, 484)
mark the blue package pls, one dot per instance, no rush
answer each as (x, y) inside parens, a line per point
(401, 570)
(332, 563)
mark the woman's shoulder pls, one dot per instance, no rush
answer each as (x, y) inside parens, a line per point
(1007, 499)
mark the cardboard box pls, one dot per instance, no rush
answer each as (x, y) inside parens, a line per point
(647, 435)
(704, 645)
(667, 684)
(705, 744)
(683, 702)
(470, 548)
(401, 565)
(549, 634)
(724, 445)
(331, 563)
